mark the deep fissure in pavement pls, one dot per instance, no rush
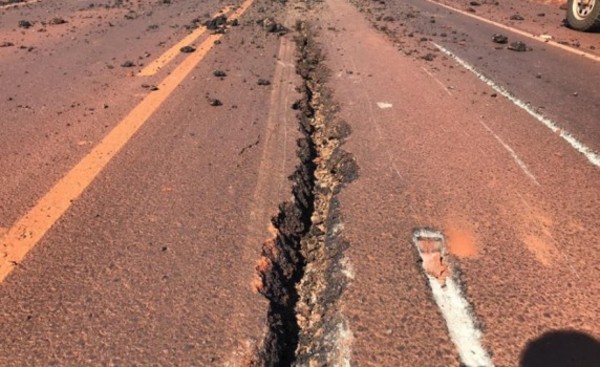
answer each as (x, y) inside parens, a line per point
(301, 267)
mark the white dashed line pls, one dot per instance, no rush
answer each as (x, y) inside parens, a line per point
(592, 156)
(513, 154)
(384, 105)
(438, 81)
(456, 311)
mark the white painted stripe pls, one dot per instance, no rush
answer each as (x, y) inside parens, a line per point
(457, 313)
(591, 155)
(513, 154)
(541, 38)
(438, 81)
(384, 105)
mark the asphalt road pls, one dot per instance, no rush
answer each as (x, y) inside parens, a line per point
(436, 194)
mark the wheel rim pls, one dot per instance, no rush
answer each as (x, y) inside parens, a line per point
(583, 8)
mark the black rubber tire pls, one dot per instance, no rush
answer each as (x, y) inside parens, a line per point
(590, 22)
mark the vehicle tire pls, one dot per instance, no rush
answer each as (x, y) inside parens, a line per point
(583, 15)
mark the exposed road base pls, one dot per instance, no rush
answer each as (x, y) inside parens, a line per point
(300, 268)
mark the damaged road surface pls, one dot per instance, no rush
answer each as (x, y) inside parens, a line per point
(297, 183)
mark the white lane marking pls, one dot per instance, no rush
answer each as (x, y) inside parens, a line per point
(591, 155)
(542, 38)
(512, 153)
(457, 312)
(384, 105)
(437, 80)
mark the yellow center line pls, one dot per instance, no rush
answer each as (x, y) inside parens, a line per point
(30, 229)
(171, 53)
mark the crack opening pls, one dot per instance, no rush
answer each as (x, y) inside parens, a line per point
(301, 270)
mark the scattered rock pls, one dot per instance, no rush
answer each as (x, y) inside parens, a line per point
(128, 64)
(428, 57)
(6, 44)
(516, 17)
(131, 15)
(24, 24)
(541, 14)
(219, 73)
(215, 102)
(57, 21)
(235, 23)
(216, 23)
(518, 46)
(263, 82)
(271, 26)
(150, 87)
(500, 38)
(187, 49)
(475, 3)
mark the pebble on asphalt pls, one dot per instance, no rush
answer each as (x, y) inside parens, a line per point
(518, 46)
(187, 49)
(24, 24)
(215, 102)
(500, 38)
(57, 21)
(219, 73)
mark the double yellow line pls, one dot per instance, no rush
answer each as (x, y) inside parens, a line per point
(29, 229)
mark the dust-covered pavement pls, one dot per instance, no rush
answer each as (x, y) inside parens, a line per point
(306, 183)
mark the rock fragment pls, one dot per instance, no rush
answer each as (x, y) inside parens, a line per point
(518, 46)
(57, 21)
(428, 57)
(215, 102)
(24, 24)
(216, 23)
(187, 49)
(500, 38)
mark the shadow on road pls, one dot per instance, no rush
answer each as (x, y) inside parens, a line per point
(562, 348)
